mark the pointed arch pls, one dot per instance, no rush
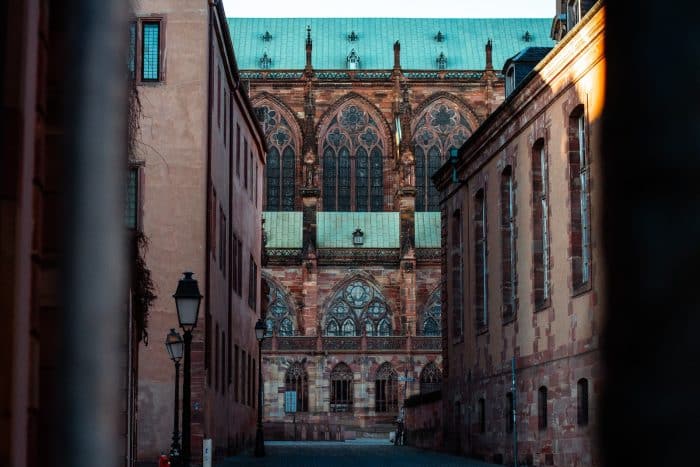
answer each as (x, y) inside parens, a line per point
(430, 378)
(354, 145)
(283, 136)
(357, 305)
(297, 379)
(280, 316)
(341, 388)
(430, 314)
(442, 122)
(386, 390)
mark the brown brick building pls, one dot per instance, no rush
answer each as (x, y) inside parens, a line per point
(358, 114)
(523, 272)
(197, 167)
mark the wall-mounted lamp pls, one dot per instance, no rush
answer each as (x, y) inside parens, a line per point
(358, 237)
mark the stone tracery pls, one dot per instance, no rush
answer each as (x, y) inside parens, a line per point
(355, 307)
(441, 126)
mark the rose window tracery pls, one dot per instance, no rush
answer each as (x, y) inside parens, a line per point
(440, 127)
(355, 307)
(279, 317)
(431, 315)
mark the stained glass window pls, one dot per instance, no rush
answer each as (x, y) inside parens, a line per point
(341, 388)
(386, 391)
(358, 306)
(431, 315)
(441, 126)
(344, 180)
(376, 176)
(150, 70)
(430, 378)
(297, 379)
(280, 169)
(353, 164)
(273, 175)
(288, 173)
(280, 319)
(329, 187)
(361, 176)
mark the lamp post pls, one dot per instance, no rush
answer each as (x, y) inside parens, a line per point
(260, 330)
(174, 346)
(187, 300)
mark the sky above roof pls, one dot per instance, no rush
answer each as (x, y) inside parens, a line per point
(391, 9)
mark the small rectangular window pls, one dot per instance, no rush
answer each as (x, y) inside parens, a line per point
(238, 150)
(582, 402)
(212, 223)
(236, 372)
(510, 421)
(482, 415)
(252, 283)
(216, 358)
(244, 378)
(131, 59)
(542, 408)
(240, 269)
(150, 68)
(245, 163)
(132, 196)
(222, 241)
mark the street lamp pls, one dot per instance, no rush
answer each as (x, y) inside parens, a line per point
(260, 330)
(174, 346)
(187, 300)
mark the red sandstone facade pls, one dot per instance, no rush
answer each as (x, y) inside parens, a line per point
(522, 265)
(200, 159)
(308, 277)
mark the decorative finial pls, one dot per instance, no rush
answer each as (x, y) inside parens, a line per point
(352, 37)
(267, 37)
(439, 37)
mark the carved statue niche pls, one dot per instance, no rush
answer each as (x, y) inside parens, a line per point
(309, 170)
(408, 177)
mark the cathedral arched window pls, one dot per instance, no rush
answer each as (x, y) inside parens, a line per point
(353, 162)
(341, 388)
(431, 315)
(440, 127)
(280, 169)
(358, 306)
(296, 379)
(386, 390)
(279, 319)
(430, 378)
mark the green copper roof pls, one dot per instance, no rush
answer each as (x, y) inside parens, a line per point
(335, 229)
(283, 229)
(427, 230)
(462, 44)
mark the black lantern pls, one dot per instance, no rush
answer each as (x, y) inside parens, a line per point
(358, 237)
(260, 330)
(187, 300)
(454, 155)
(174, 345)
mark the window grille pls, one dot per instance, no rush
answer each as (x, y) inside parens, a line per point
(386, 392)
(296, 379)
(341, 388)
(150, 70)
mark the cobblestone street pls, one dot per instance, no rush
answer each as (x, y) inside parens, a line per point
(347, 454)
